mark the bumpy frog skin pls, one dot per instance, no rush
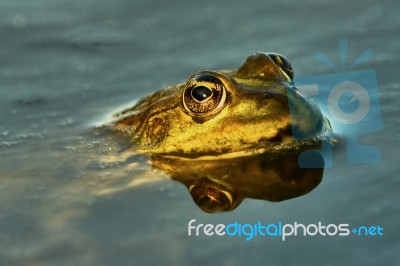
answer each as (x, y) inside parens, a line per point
(226, 113)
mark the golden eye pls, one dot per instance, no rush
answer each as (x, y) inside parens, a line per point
(211, 199)
(283, 64)
(203, 94)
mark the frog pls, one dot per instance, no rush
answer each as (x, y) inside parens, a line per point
(226, 113)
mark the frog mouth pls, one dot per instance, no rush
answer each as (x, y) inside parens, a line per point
(279, 146)
(289, 148)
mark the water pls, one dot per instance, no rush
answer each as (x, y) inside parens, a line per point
(68, 197)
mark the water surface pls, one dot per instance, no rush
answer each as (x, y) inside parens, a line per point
(67, 194)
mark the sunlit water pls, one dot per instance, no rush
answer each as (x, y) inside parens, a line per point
(70, 195)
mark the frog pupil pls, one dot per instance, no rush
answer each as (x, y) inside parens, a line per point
(201, 93)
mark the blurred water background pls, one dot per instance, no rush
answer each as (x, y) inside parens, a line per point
(66, 65)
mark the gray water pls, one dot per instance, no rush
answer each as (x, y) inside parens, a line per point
(67, 197)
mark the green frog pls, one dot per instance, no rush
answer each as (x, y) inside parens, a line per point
(226, 114)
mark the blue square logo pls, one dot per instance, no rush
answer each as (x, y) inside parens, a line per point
(349, 99)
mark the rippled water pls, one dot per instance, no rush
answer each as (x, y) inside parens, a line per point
(67, 196)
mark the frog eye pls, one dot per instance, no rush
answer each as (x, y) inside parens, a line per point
(211, 199)
(203, 93)
(283, 64)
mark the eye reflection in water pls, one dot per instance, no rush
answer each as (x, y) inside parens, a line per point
(221, 185)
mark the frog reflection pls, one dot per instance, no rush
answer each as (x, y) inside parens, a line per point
(221, 185)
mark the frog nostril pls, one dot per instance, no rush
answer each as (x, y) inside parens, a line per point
(201, 93)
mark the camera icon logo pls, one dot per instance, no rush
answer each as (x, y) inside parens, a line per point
(349, 99)
(337, 106)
